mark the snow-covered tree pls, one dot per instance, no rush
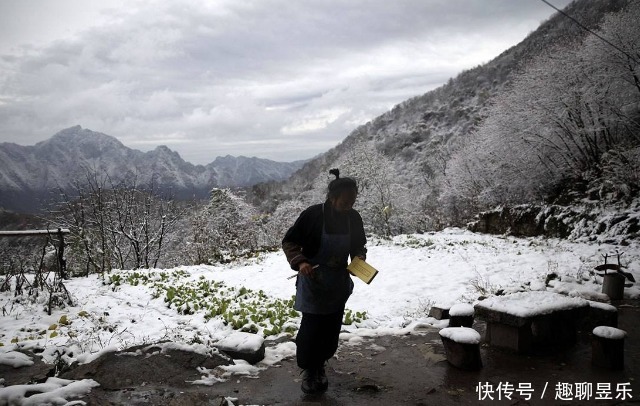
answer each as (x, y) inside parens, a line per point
(227, 226)
(615, 55)
(115, 224)
(561, 121)
(386, 206)
(615, 52)
(199, 245)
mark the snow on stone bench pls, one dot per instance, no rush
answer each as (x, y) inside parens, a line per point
(524, 320)
(607, 347)
(610, 333)
(461, 315)
(241, 345)
(462, 347)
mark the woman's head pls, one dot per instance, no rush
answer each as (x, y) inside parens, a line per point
(342, 192)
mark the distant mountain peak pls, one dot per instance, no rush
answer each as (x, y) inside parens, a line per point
(77, 134)
(166, 150)
(75, 131)
(76, 128)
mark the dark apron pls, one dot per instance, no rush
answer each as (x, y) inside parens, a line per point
(328, 288)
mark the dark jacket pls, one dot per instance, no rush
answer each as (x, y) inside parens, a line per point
(302, 240)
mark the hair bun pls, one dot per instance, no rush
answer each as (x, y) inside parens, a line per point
(339, 184)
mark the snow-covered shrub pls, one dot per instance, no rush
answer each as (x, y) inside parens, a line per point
(620, 174)
(225, 228)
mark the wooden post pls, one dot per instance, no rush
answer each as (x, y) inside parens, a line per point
(62, 263)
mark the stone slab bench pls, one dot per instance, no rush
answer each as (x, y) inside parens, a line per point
(527, 320)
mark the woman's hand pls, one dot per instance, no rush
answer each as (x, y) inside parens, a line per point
(306, 269)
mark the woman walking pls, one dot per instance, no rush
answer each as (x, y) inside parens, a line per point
(318, 246)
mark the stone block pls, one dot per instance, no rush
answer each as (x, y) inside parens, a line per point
(461, 321)
(439, 312)
(607, 347)
(245, 346)
(516, 338)
(462, 347)
(461, 315)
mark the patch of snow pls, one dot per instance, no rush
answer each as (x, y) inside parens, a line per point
(240, 341)
(581, 290)
(54, 391)
(15, 359)
(273, 355)
(86, 358)
(240, 367)
(602, 306)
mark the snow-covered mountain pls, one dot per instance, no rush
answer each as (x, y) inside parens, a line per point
(419, 134)
(28, 174)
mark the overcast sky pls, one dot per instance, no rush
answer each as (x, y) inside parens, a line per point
(276, 79)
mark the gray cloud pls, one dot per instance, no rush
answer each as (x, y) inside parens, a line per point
(271, 78)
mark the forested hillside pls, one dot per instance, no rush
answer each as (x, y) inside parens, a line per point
(551, 120)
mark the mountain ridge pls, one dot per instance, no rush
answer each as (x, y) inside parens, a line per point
(419, 134)
(29, 173)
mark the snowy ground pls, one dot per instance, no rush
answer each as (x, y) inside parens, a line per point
(415, 272)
